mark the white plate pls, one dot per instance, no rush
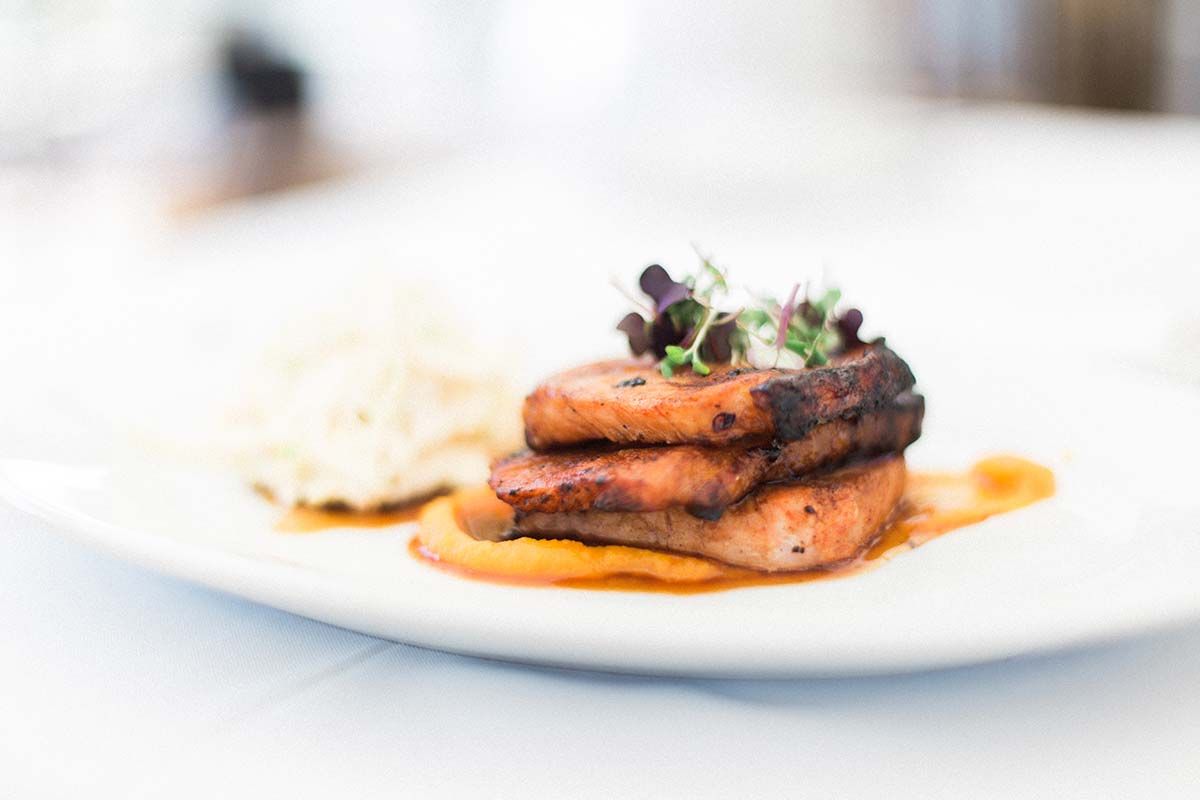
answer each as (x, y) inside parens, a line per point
(1116, 552)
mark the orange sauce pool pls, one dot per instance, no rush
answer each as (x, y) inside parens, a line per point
(464, 534)
(304, 519)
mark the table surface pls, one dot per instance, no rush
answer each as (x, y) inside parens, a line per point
(118, 682)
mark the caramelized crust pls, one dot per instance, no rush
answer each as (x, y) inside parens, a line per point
(817, 522)
(703, 480)
(629, 402)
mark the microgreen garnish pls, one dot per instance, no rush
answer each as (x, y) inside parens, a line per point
(658, 285)
(684, 326)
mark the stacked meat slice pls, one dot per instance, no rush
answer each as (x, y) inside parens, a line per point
(769, 469)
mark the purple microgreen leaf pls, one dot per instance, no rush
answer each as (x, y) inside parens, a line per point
(718, 345)
(810, 314)
(847, 328)
(662, 334)
(634, 327)
(659, 285)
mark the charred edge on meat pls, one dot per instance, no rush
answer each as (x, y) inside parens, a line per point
(801, 400)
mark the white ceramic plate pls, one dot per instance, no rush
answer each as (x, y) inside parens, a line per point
(1116, 552)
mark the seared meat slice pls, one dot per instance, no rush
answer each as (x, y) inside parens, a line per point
(818, 522)
(703, 480)
(629, 402)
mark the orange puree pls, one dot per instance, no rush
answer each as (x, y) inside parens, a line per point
(304, 519)
(464, 533)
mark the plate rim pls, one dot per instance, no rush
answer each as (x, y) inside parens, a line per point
(290, 587)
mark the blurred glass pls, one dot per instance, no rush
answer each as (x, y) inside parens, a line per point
(1099, 53)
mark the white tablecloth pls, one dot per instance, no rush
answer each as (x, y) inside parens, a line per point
(116, 682)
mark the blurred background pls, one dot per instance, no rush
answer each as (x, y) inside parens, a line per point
(955, 165)
(210, 101)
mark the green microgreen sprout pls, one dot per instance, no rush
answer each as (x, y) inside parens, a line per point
(684, 327)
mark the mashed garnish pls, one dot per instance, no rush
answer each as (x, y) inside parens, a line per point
(374, 405)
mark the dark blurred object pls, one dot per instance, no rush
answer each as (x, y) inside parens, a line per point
(1109, 53)
(260, 79)
(1102, 53)
(267, 145)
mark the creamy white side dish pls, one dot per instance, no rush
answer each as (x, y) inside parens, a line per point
(376, 404)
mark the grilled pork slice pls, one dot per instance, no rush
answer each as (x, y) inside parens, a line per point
(703, 480)
(817, 522)
(629, 402)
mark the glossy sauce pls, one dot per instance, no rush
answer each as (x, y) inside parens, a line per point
(304, 519)
(464, 533)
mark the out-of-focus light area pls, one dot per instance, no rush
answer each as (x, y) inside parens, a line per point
(918, 148)
(232, 98)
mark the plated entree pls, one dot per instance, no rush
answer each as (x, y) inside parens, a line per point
(767, 439)
(737, 443)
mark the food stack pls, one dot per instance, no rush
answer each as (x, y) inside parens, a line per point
(772, 469)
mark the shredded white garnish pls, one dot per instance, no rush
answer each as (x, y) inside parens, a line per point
(374, 405)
